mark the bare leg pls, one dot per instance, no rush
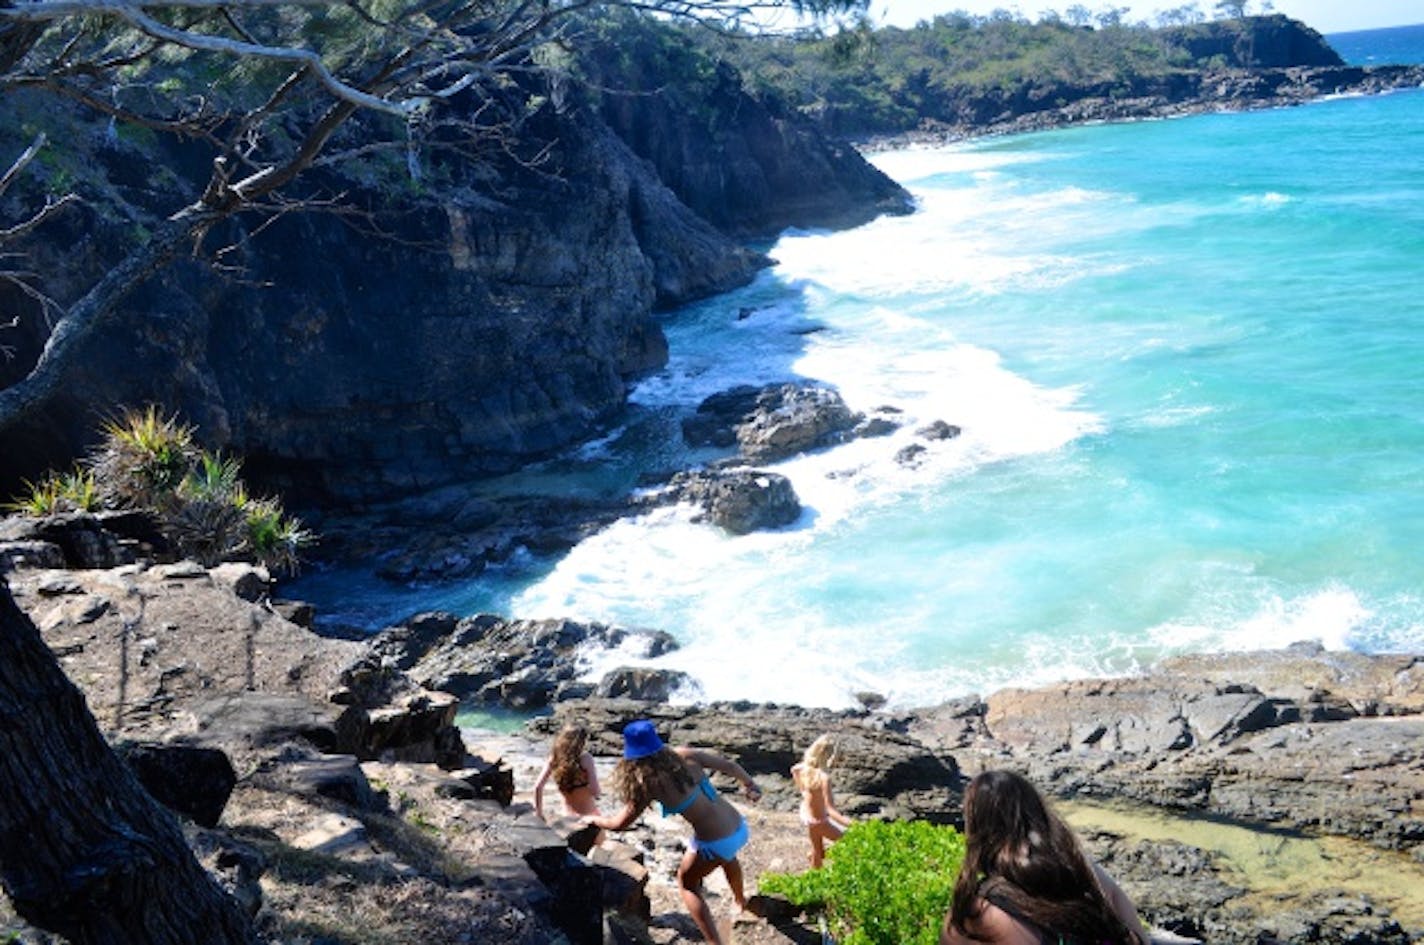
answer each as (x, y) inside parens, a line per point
(690, 874)
(732, 869)
(820, 833)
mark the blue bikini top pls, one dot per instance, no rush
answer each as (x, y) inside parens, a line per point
(705, 786)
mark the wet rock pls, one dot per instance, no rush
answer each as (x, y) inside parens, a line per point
(740, 500)
(642, 684)
(516, 663)
(771, 423)
(938, 430)
(911, 455)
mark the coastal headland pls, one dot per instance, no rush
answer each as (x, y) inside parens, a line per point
(323, 773)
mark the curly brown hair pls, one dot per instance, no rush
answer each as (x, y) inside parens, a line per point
(566, 758)
(636, 780)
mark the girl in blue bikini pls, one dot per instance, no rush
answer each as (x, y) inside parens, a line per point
(677, 780)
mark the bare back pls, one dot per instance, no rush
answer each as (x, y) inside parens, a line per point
(710, 815)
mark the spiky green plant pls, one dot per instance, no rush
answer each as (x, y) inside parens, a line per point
(213, 478)
(143, 457)
(273, 538)
(205, 517)
(79, 491)
(38, 499)
(71, 492)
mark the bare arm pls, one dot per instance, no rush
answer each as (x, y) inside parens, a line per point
(539, 788)
(619, 821)
(723, 765)
(831, 811)
(1121, 904)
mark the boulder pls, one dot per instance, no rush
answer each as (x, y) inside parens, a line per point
(740, 500)
(938, 430)
(193, 781)
(520, 664)
(772, 423)
(642, 683)
(338, 777)
(576, 887)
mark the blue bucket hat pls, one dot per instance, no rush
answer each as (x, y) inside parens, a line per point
(640, 740)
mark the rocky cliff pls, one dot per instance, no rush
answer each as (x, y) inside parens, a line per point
(748, 164)
(439, 330)
(1263, 42)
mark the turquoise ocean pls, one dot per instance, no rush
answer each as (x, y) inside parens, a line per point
(1187, 357)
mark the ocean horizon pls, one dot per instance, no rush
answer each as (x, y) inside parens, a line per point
(1184, 355)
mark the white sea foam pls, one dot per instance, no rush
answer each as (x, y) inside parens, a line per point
(1331, 616)
(1270, 200)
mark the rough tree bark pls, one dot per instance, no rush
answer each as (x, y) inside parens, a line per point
(84, 851)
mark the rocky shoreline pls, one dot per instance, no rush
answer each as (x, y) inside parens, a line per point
(1227, 90)
(348, 774)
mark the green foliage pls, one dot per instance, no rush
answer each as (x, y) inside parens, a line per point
(148, 460)
(958, 69)
(143, 458)
(71, 492)
(274, 538)
(883, 883)
(39, 498)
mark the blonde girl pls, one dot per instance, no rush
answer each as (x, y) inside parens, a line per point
(812, 777)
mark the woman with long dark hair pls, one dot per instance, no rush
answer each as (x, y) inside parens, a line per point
(1025, 878)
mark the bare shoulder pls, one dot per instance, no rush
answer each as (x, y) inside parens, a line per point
(994, 926)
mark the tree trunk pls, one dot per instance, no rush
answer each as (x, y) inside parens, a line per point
(84, 851)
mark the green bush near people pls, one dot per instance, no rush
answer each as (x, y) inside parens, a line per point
(883, 883)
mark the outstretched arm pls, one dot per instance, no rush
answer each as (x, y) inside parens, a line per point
(724, 765)
(619, 821)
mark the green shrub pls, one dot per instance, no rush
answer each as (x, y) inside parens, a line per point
(148, 460)
(79, 491)
(39, 498)
(883, 883)
(274, 539)
(142, 458)
(72, 492)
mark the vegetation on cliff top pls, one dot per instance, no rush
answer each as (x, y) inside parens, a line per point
(860, 80)
(146, 460)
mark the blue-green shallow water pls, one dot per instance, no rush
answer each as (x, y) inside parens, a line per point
(1188, 360)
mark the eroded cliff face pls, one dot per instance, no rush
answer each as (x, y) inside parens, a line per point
(450, 332)
(748, 164)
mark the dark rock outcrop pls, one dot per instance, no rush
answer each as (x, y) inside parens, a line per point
(749, 164)
(740, 500)
(1267, 42)
(521, 664)
(499, 319)
(194, 782)
(775, 422)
